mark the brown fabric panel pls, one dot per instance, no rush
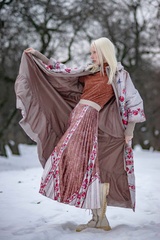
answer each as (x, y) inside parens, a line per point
(46, 110)
(109, 119)
(111, 143)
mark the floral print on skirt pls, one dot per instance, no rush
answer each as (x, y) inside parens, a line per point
(71, 174)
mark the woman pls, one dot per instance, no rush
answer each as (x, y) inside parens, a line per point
(92, 163)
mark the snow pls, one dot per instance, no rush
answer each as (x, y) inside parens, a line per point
(27, 215)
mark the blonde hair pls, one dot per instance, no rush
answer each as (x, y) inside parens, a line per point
(106, 53)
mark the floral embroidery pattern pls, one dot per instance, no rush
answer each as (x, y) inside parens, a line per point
(68, 70)
(135, 114)
(49, 67)
(59, 67)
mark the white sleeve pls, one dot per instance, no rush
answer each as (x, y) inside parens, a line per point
(134, 102)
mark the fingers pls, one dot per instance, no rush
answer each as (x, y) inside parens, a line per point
(128, 139)
(29, 50)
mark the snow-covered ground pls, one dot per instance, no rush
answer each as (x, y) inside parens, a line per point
(27, 215)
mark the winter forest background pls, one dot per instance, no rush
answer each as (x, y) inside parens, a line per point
(64, 29)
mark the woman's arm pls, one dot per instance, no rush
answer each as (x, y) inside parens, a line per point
(39, 55)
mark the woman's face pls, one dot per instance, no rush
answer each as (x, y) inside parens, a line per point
(94, 56)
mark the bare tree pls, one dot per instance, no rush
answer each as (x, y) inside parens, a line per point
(64, 29)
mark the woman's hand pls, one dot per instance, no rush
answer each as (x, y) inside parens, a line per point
(37, 54)
(128, 139)
(30, 50)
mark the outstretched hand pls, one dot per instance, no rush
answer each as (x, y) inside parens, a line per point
(37, 54)
(30, 50)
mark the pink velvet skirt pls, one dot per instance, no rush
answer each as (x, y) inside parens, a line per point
(71, 174)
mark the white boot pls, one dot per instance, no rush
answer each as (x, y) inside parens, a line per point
(102, 222)
(99, 219)
(101, 212)
(91, 224)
